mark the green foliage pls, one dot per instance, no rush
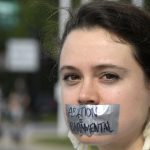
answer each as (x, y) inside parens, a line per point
(75, 3)
(147, 5)
(42, 19)
(47, 118)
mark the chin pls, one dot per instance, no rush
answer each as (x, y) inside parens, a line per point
(97, 139)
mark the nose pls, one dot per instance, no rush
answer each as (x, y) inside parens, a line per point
(88, 93)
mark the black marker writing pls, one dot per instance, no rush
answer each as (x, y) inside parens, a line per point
(82, 128)
(82, 112)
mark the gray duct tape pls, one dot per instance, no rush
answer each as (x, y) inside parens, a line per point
(93, 119)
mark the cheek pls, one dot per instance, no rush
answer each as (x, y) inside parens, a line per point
(69, 96)
(127, 96)
(134, 106)
(109, 95)
(133, 113)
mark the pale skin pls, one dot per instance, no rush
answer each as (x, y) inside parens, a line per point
(97, 69)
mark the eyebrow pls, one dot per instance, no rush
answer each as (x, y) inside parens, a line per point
(67, 67)
(105, 66)
(97, 67)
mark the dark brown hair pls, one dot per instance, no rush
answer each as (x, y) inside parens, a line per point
(126, 21)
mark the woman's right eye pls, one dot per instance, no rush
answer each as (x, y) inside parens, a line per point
(71, 78)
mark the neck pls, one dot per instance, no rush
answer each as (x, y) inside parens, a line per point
(122, 145)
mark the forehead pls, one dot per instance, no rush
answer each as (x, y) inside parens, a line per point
(96, 34)
(94, 45)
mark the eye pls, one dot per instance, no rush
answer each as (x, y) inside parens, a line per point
(71, 78)
(109, 77)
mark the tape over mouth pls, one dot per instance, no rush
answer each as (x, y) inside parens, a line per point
(93, 119)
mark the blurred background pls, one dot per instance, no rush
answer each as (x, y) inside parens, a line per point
(31, 115)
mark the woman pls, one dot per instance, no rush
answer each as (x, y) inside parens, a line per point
(104, 60)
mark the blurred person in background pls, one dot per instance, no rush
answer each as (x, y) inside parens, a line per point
(17, 104)
(104, 60)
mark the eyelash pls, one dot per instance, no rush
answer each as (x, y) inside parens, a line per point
(106, 77)
(110, 77)
(71, 77)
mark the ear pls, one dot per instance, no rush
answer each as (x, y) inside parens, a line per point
(148, 87)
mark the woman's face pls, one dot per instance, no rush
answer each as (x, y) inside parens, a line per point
(95, 68)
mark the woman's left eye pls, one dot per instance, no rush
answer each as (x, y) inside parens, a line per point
(109, 77)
